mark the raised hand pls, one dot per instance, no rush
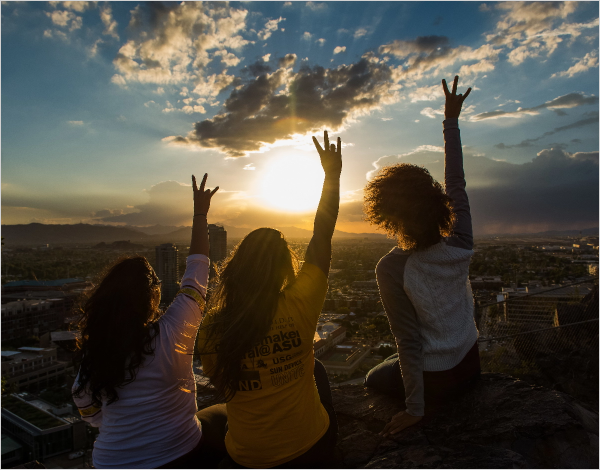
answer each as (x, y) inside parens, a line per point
(331, 158)
(202, 196)
(453, 101)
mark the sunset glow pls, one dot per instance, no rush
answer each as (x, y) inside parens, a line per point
(293, 183)
(108, 108)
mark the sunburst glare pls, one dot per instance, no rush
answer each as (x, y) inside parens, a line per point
(292, 182)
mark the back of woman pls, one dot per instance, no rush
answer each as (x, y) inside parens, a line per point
(276, 413)
(257, 342)
(135, 381)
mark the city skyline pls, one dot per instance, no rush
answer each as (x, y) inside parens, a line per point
(109, 107)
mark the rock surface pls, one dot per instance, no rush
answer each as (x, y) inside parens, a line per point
(500, 423)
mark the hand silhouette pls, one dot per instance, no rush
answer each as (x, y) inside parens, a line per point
(453, 101)
(331, 158)
(202, 196)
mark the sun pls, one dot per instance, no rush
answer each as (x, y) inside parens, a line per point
(292, 182)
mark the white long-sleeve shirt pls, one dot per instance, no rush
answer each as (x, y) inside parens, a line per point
(153, 422)
(427, 294)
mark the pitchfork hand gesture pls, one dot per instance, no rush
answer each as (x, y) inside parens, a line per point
(331, 158)
(453, 101)
(202, 196)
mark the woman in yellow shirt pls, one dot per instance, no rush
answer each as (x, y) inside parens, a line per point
(257, 341)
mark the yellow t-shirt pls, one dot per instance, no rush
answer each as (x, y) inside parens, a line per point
(276, 414)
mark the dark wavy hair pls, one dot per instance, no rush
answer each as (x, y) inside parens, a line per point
(406, 202)
(117, 328)
(243, 303)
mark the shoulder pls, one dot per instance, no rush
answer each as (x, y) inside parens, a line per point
(310, 278)
(394, 260)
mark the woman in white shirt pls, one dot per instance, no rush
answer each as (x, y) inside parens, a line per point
(136, 381)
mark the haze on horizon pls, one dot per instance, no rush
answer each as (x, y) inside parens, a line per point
(109, 107)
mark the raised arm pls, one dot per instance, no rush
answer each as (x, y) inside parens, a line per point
(199, 244)
(319, 248)
(454, 172)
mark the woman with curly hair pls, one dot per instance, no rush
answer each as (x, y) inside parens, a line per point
(424, 282)
(257, 342)
(135, 380)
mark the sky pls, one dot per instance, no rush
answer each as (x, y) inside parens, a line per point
(108, 108)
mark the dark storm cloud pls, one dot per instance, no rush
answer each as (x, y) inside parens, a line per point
(572, 100)
(276, 106)
(528, 142)
(555, 190)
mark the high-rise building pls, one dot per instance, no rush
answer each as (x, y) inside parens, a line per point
(218, 243)
(167, 270)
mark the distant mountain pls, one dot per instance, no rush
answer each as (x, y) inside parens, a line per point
(587, 232)
(41, 234)
(86, 234)
(156, 229)
(233, 233)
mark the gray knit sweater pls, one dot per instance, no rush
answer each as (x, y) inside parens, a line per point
(427, 294)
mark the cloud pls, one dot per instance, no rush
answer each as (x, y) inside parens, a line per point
(75, 6)
(110, 25)
(169, 204)
(402, 49)
(360, 32)
(266, 57)
(270, 27)
(431, 54)
(287, 61)
(534, 29)
(432, 113)
(228, 58)
(249, 166)
(315, 6)
(556, 189)
(568, 101)
(339, 49)
(426, 93)
(528, 142)
(306, 36)
(590, 60)
(321, 41)
(282, 104)
(65, 19)
(75, 123)
(174, 43)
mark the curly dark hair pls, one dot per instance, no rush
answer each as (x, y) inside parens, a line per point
(406, 202)
(117, 328)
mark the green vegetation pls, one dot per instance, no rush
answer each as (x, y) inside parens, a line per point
(29, 413)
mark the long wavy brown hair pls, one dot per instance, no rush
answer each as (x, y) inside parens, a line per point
(406, 202)
(243, 303)
(117, 328)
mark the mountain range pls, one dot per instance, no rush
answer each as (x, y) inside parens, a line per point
(87, 234)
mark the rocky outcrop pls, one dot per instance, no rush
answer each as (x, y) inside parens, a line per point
(501, 422)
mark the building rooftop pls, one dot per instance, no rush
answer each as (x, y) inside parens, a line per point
(10, 353)
(9, 445)
(31, 414)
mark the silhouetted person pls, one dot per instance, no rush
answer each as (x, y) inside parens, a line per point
(257, 341)
(136, 381)
(424, 282)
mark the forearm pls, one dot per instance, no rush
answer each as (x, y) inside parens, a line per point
(319, 248)
(456, 184)
(199, 244)
(410, 353)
